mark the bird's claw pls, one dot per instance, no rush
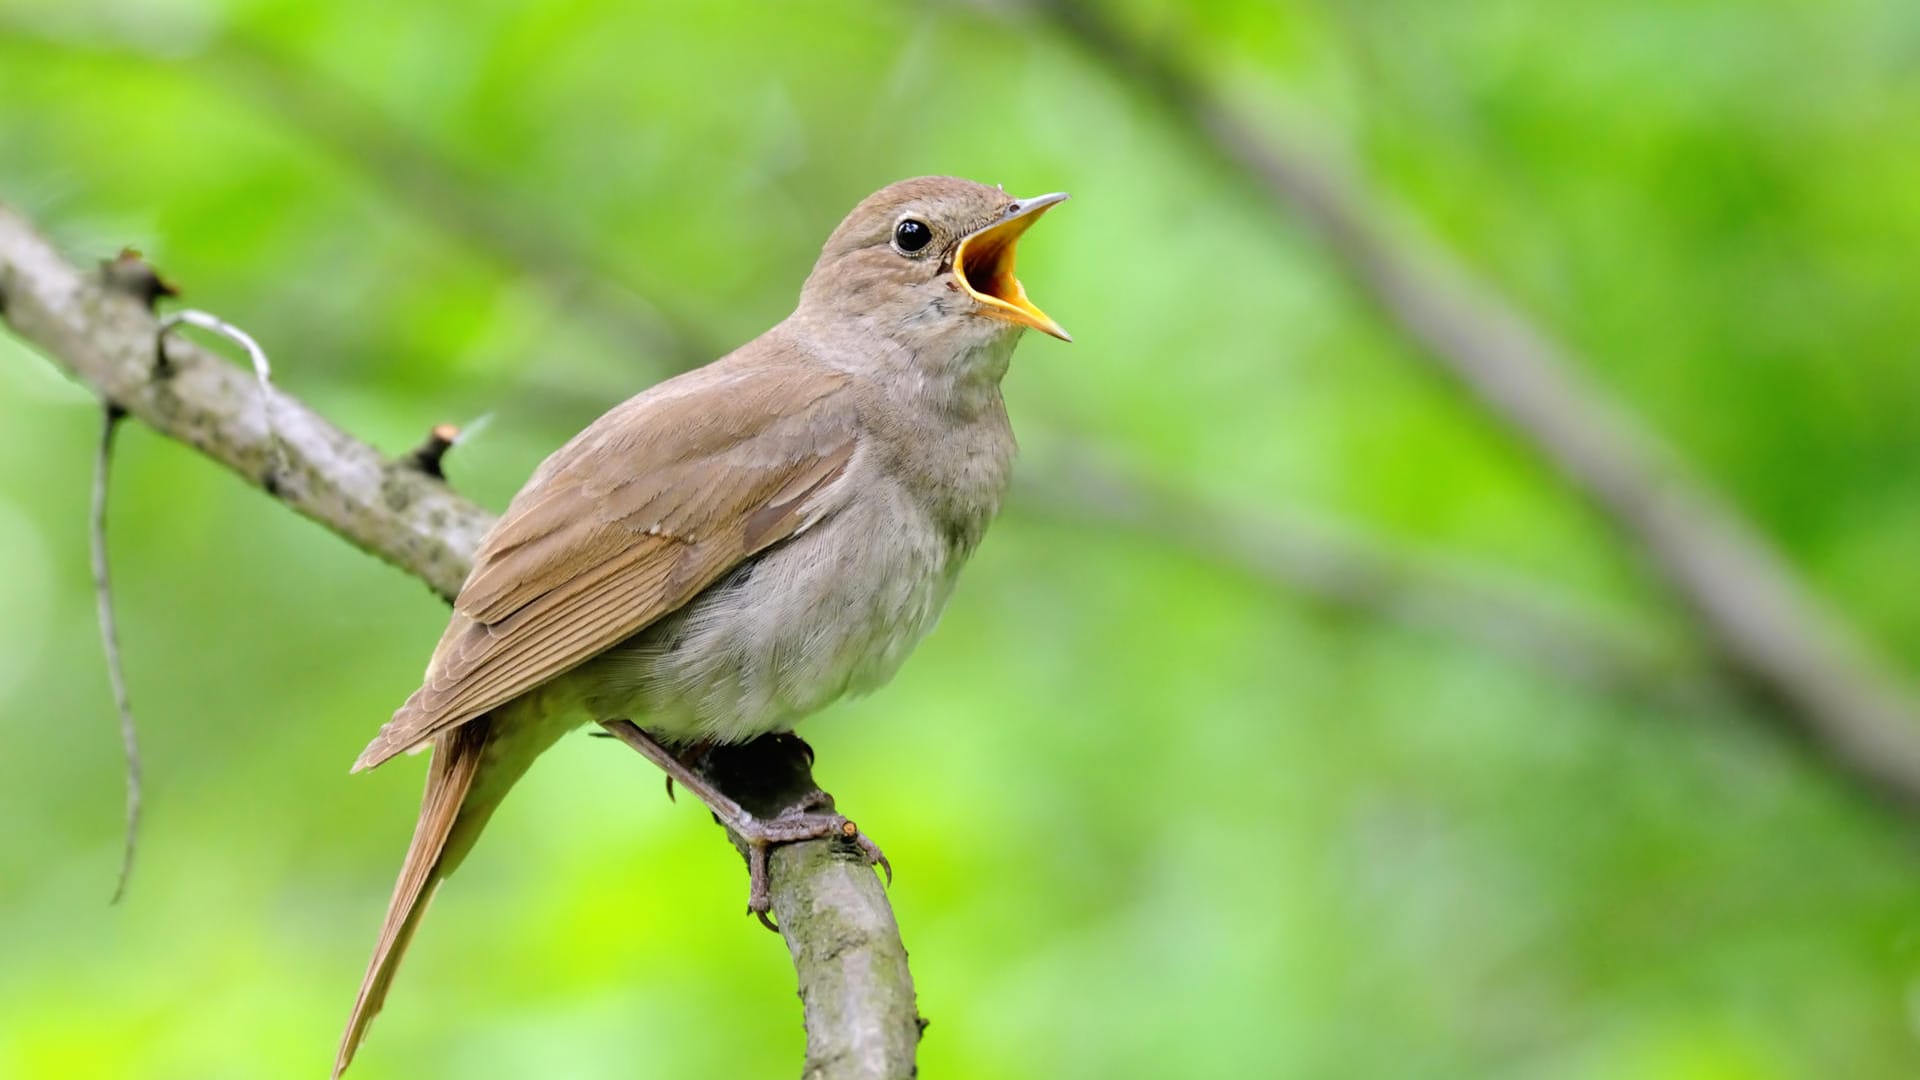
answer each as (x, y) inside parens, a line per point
(869, 851)
(761, 836)
(873, 854)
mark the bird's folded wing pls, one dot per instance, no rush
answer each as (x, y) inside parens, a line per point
(651, 504)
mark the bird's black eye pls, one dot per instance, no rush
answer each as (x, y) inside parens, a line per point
(911, 235)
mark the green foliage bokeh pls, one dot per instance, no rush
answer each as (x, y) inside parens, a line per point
(1151, 818)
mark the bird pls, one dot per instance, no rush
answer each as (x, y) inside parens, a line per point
(737, 547)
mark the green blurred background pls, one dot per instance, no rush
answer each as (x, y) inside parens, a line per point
(1153, 816)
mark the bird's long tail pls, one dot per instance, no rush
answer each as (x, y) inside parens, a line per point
(452, 813)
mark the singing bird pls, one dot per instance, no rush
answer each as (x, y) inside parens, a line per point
(737, 547)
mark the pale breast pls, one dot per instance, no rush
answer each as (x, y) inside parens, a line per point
(833, 611)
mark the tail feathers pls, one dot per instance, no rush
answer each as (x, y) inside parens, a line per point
(430, 858)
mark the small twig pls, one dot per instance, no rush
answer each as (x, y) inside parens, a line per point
(110, 642)
(261, 369)
(429, 456)
(130, 273)
(426, 457)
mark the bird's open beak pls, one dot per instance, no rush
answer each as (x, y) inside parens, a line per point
(983, 263)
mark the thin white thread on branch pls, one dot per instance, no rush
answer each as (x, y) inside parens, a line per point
(110, 642)
(261, 369)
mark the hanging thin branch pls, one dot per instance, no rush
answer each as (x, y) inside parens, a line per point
(110, 416)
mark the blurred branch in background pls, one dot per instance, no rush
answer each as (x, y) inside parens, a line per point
(458, 201)
(845, 944)
(1763, 624)
(1335, 569)
(464, 205)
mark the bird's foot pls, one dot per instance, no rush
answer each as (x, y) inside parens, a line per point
(759, 836)
(812, 819)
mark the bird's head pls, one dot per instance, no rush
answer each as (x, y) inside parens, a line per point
(931, 258)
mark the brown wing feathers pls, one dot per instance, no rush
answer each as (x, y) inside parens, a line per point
(629, 521)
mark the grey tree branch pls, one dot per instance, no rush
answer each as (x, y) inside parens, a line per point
(1762, 622)
(851, 966)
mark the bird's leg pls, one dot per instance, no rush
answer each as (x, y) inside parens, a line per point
(692, 753)
(810, 818)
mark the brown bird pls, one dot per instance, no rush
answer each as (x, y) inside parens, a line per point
(739, 546)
